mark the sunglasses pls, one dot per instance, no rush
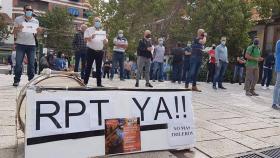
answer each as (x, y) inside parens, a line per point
(28, 9)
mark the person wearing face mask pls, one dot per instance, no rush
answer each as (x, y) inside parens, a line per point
(221, 59)
(25, 44)
(96, 39)
(211, 64)
(120, 45)
(144, 56)
(158, 59)
(187, 56)
(196, 59)
(253, 56)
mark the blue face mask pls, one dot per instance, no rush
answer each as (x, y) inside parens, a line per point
(97, 24)
(28, 13)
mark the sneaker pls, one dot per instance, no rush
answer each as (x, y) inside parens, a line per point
(137, 84)
(214, 87)
(274, 106)
(249, 94)
(15, 84)
(100, 85)
(264, 88)
(149, 85)
(195, 89)
(254, 93)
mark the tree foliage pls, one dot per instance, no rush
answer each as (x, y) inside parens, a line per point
(60, 29)
(4, 29)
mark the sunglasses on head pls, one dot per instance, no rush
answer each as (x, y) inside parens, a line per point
(28, 9)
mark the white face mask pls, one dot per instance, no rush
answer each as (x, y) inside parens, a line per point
(120, 35)
(223, 42)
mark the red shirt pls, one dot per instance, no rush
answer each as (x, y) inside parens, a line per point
(212, 59)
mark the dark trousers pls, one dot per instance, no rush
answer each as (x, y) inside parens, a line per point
(97, 56)
(126, 74)
(186, 69)
(211, 72)
(118, 58)
(220, 72)
(80, 55)
(267, 76)
(157, 71)
(21, 50)
(177, 72)
(106, 73)
(238, 72)
(195, 64)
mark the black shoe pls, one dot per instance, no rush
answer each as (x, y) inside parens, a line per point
(160, 81)
(154, 80)
(100, 85)
(122, 79)
(274, 106)
(149, 85)
(222, 87)
(214, 87)
(254, 93)
(15, 84)
(136, 84)
(240, 83)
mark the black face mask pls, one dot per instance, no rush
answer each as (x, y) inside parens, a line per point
(213, 47)
(148, 36)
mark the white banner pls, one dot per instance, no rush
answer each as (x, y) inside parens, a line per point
(29, 27)
(88, 123)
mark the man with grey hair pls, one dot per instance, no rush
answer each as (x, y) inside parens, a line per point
(120, 45)
(80, 47)
(144, 56)
(158, 59)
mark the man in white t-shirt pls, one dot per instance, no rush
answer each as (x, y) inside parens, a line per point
(96, 38)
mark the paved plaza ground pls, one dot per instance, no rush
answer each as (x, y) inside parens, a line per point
(228, 123)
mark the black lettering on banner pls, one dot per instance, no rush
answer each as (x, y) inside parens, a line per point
(166, 110)
(49, 115)
(99, 102)
(141, 108)
(67, 112)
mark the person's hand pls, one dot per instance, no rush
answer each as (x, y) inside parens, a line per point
(19, 28)
(150, 49)
(105, 41)
(40, 30)
(260, 59)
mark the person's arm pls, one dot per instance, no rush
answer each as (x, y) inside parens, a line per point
(203, 40)
(187, 52)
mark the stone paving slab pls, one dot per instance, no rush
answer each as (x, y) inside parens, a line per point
(221, 147)
(203, 135)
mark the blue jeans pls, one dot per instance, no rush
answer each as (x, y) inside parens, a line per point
(118, 58)
(195, 64)
(177, 72)
(158, 71)
(267, 76)
(220, 72)
(21, 51)
(126, 74)
(186, 68)
(80, 55)
(238, 72)
(276, 94)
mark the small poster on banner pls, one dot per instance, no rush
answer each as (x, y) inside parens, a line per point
(122, 135)
(180, 134)
(29, 27)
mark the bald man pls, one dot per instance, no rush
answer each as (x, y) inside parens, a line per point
(80, 46)
(144, 56)
(96, 40)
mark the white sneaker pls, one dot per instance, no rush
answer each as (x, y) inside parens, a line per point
(264, 88)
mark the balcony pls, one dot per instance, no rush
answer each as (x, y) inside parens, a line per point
(36, 4)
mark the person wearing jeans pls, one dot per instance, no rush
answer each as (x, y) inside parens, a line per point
(239, 69)
(177, 65)
(276, 93)
(186, 67)
(158, 59)
(267, 71)
(144, 56)
(253, 56)
(80, 47)
(25, 44)
(221, 58)
(95, 50)
(196, 59)
(121, 44)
